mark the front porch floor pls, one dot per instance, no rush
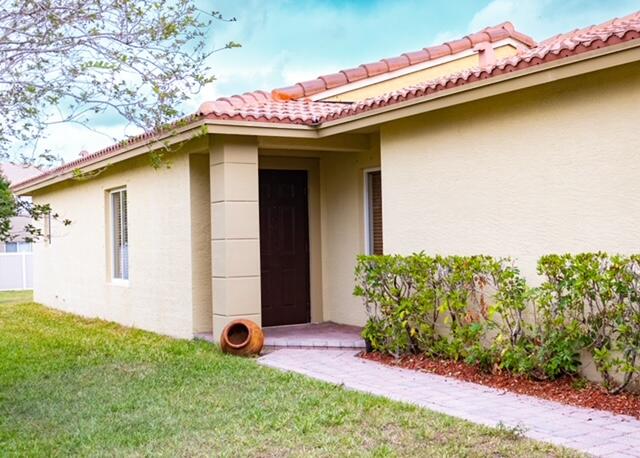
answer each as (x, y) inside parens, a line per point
(317, 335)
(309, 335)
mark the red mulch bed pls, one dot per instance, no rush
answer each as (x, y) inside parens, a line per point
(564, 390)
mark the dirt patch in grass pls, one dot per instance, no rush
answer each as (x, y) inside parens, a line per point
(567, 390)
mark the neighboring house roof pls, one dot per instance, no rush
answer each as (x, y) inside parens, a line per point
(17, 173)
(291, 105)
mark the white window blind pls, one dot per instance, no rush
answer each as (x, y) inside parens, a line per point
(47, 227)
(120, 234)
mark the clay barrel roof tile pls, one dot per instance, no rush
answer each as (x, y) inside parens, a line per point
(479, 37)
(355, 74)
(416, 57)
(496, 33)
(375, 68)
(313, 86)
(438, 51)
(460, 45)
(334, 80)
(288, 93)
(396, 63)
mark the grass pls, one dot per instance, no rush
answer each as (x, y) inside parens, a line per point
(72, 386)
(15, 297)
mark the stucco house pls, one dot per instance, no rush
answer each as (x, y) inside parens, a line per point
(16, 173)
(491, 144)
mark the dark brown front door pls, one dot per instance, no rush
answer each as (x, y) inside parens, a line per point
(284, 247)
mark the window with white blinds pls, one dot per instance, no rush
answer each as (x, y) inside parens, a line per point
(374, 212)
(119, 235)
(47, 227)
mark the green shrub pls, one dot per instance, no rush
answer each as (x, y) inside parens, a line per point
(595, 297)
(400, 303)
(480, 309)
(408, 298)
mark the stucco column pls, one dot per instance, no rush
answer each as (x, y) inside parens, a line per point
(235, 230)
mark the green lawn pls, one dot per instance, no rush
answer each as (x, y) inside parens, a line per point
(71, 386)
(15, 297)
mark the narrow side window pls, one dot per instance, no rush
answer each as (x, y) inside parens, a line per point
(374, 212)
(119, 235)
(47, 227)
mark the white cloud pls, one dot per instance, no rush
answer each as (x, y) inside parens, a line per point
(67, 140)
(522, 12)
(542, 19)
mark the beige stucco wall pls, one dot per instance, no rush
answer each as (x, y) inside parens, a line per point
(548, 170)
(199, 176)
(342, 183)
(72, 273)
(170, 224)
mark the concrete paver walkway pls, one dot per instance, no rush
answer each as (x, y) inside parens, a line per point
(595, 432)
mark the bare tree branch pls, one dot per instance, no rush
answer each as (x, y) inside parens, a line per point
(70, 60)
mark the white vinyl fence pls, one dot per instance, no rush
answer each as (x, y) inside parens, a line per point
(16, 271)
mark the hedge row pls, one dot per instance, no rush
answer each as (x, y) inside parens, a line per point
(481, 309)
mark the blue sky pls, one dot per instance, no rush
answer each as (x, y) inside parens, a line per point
(284, 41)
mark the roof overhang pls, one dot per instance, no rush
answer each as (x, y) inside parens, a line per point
(579, 64)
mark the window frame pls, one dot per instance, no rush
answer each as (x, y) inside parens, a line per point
(24, 247)
(20, 246)
(112, 231)
(368, 228)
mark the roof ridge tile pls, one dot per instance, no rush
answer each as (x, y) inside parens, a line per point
(320, 84)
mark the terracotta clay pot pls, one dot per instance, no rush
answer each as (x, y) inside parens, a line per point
(242, 338)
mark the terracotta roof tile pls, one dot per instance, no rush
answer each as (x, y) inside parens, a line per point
(258, 96)
(416, 57)
(497, 33)
(376, 68)
(479, 37)
(286, 105)
(355, 74)
(288, 93)
(438, 51)
(313, 86)
(396, 63)
(460, 45)
(490, 34)
(334, 80)
(291, 112)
